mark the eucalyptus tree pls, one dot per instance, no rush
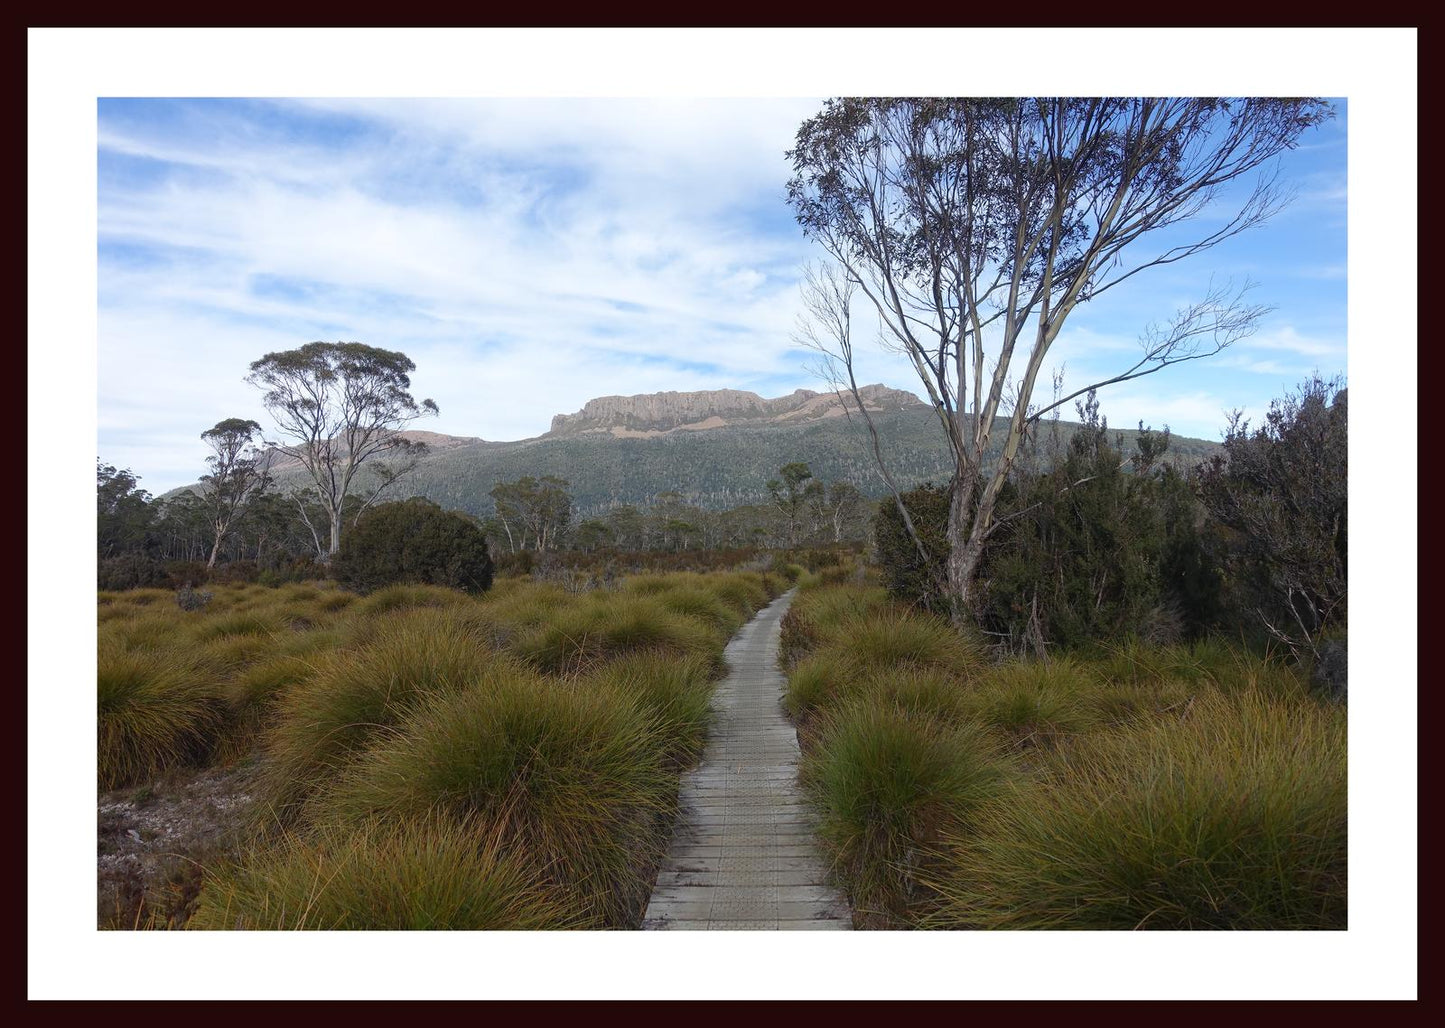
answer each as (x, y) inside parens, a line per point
(239, 473)
(340, 406)
(973, 228)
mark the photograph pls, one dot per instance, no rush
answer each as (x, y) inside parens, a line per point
(552, 514)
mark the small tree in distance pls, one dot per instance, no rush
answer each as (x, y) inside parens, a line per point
(238, 475)
(791, 495)
(342, 405)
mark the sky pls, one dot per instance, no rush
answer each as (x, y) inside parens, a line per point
(529, 256)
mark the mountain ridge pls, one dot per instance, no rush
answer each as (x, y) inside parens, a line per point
(629, 450)
(672, 411)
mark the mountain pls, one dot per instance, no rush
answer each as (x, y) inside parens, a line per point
(655, 414)
(716, 448)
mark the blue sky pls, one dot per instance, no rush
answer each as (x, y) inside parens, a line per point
(530, 254)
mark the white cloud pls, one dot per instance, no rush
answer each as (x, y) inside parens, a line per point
(1290, 340)
(641, 268)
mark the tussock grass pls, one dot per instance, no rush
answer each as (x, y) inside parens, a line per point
(146, 597)
(885, 640)
(154, 711)
(1230, 816)
(1035, 704)
(886, 784)
(829, 678)
(228, 654)
(332, 602)
(416, 770)
(649, 584)
(402, 597)
(581, 638)
(677, 694)
(351, 696)
(818, 615)
(574, 780)
(253, 694)
(1180, 786)
(706, 606)
(817, 681)
(431, 873)
(521, 609)
(745, 591)
(150, 631)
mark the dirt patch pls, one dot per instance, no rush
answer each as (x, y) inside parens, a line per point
(154, 842)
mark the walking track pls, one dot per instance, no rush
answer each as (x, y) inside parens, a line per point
(743, 855)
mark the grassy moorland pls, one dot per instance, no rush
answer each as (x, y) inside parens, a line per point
(420, 758)
(1166, 787)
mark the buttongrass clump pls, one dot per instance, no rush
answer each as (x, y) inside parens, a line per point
(1035, 703)
(155, 711)
(1229, 816)
(704, 605)
(427, 873)
(581, 638)
(744, 591)
(676, 693)
(885, 640)
(353, 695)
(575, 782)
(887, 784)
(402, 597)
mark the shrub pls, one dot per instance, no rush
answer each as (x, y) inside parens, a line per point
(183, 573)
(130, 571)
(1280, 496)
(430, 873)
(414, 541)
(234, 572)
(907, 575)
(189, 599)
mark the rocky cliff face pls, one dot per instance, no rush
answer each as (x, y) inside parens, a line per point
(660, 413)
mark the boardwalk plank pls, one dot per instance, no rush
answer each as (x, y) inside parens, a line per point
(743, 855)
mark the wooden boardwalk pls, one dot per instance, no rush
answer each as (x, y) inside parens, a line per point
(743, 855)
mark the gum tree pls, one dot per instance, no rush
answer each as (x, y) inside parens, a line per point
(972, 228)
(340, 406)
(238, 474)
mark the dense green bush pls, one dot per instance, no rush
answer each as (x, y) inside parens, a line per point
(1279, 495)
(1078, 555)
(1088, 546)
(414, 541)
(130, 571)
(906, 574)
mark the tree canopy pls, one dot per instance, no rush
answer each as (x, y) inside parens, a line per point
(238, 474)
(973, 228)
(339, 406)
